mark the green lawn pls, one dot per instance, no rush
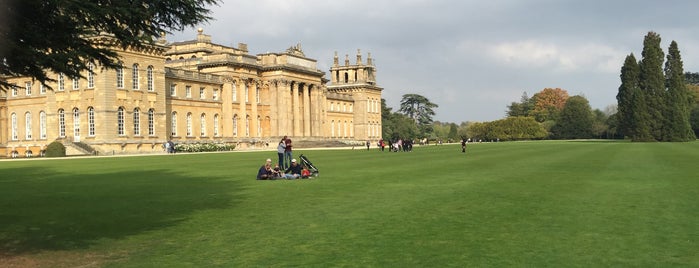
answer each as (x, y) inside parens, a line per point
(523, 204)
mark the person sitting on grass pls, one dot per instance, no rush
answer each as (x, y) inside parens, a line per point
(277, 172)
(305, 173)
(294, 171)
(265, 172)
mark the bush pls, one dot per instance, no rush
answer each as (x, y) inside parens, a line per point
(203, 147)
(55, 149)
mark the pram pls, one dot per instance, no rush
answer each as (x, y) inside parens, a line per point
(307, 163)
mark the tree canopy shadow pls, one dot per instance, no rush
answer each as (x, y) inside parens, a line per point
(43, 210)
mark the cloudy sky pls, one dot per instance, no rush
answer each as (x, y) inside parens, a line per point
(472, 58)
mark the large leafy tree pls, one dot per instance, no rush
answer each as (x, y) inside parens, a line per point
(652, 83)
(420, 109)
(575, 121)
(521, 108)
(678, 100)
(59, 36)
(548, 103)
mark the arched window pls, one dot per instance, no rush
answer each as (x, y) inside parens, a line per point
(42, 125)
(15, 135)
(28, 126)
(189, 124)
(247, 93)
(120, 121)
(61, 123)
(235, 125)
(257, 95)
(216, 125)
(332, 128)
(137, 122)
(76, 122)
(134, 76)
(90, 75)
(202, 125)
(234, 93)
(149, 76)
(259, 126)
(120, 76)
(346, 77)
(173, 124)
(351, 127)
(90, 121)
(151, 122)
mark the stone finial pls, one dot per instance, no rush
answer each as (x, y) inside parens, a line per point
(347, 60)
(359, 57)
(369, 60)
(336, 61)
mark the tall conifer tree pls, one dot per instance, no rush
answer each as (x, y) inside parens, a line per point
(630, 105)
(652, 83)
(677, 107)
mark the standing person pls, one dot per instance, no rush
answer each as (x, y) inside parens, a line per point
(281, 147)
(367, 145)
(463, 145)
(288, 155)
(381, 144)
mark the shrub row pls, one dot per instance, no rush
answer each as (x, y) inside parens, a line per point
(203, 147)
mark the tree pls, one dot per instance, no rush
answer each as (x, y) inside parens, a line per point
(548, 103)
(521, 108)
(652, 83)
(632, 111)
(64, 36)
(678, 99)
(396, 125)
(575, 121)
(420, 109)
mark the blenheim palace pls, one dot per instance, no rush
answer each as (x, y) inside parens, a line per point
(193, 92)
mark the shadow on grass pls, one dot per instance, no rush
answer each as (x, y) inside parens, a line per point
(42, 210)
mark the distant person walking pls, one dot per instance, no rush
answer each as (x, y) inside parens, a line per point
(463, 145)
(367, 145)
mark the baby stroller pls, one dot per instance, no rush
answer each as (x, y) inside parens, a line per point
(307, 163)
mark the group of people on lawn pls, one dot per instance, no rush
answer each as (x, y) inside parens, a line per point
(287, 168)
(294, 171)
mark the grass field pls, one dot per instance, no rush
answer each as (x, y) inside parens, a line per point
(523, 204)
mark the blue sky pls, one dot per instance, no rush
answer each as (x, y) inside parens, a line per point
(472, 58)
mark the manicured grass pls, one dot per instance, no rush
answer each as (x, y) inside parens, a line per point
(524, 204)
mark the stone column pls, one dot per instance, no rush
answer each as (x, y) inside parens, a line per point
(274, 107)
(255, 125)
(242, 114)
(307, 111)
(284, 108)
(227, 113)
(296, 110)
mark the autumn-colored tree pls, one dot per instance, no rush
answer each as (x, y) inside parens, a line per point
(548, 103)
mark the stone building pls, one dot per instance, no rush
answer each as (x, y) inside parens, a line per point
(192, 92)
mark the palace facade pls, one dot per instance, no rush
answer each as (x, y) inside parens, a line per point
(193, 92)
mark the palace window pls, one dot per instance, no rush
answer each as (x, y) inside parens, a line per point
(216, 125)
(202, 93)
(13, 120)
(42, 89)
(28, 126)
(136, 122)
(90, 75)
(42, 125)
(247, 126)
(234, 93)
(173, 124)
(188, 91)
(151, 122)
(120, 121)
(215, 95)
(120, 76)
(189, 124)
(259, 126)
(91, 121)
(15, 91)
(257, 95)
(247, 91)
(61, 82)
(76, 122)
(61, 123)
(76, 83)
(173, 90)
(149, 77)
(235, 126)
(202, 125)
(28, 88)
(134, 77)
